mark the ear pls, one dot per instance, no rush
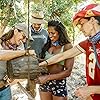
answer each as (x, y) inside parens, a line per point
(93, 20)
(15, 31)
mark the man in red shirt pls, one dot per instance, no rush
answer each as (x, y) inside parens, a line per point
(88, 19)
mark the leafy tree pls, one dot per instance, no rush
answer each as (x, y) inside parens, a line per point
(61, 10)
(10, 13)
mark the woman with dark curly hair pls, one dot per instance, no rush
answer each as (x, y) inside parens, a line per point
(53, 85)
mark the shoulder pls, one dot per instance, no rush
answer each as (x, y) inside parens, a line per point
(84, 42)
(67, 46)
(44, 31)
(83, 46)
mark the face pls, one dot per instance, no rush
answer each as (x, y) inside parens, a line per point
(24, 38)
(36, 26)
(18, 37)
(85, 26)
(53, 34)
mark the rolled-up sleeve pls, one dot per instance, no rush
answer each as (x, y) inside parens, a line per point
(82, 46)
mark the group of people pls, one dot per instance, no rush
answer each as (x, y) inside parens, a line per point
(88, 19)
(13, 44)
(57, 54)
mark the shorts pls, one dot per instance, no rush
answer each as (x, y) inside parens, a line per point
(56, 87)
(5, 94)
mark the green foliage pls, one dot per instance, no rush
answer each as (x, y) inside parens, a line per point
(10, 13)
(61, 10)
(19, 17)
(53, 9)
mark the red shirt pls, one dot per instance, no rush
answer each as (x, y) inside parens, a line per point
(92, 71)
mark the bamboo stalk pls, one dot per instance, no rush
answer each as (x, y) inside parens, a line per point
(25, 91)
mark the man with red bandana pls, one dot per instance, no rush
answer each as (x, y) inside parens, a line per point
(89, 21)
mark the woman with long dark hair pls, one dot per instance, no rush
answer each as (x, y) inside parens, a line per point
(88, 19)
(53, 85)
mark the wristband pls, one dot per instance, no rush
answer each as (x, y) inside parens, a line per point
(46, 62)
(26, 52)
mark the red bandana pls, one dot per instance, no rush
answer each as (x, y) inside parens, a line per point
(88, 11)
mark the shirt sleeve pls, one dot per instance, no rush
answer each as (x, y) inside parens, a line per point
(1, 48)
(82, 46)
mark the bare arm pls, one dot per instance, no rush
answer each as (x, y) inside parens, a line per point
(10, 54)
(68, 64)
(95, 89)
(65, 73)
(62, 56)
(86, 91)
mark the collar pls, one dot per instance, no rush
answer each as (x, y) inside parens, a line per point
(8, 46)
(94, 39)
(33, 31)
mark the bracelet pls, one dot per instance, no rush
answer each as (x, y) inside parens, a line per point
(46, 62)
(26, 52)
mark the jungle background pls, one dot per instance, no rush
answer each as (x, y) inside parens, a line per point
(15, 11)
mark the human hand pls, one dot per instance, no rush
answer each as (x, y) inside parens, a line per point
(83, 92)
(42, 64)
(32, 52)
(10, 80)
(41, 60)
(42, 79)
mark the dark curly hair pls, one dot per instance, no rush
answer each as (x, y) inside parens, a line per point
(63, 37)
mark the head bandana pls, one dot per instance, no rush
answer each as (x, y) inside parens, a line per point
(88, 11)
